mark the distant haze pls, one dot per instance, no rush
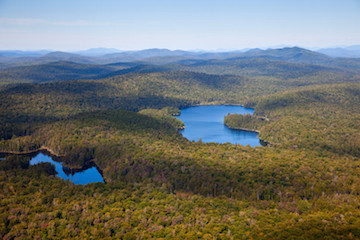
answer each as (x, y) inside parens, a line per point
(206, 25)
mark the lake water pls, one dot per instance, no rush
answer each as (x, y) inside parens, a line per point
(207, 123)
(82, 176)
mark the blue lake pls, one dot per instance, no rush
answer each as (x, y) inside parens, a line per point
(207, 123)
(81, 176)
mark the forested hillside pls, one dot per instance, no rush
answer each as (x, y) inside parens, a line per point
(54, 71)
(322, 117)
(302, 185)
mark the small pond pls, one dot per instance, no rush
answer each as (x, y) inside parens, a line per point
(77, 176)
(88, 174)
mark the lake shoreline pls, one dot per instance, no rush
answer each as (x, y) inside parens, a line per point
(207, 122)
(243, 129)
(262, 141)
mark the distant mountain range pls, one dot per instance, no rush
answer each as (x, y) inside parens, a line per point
(350, 51)
(19, 53)
(183, 59)
(10, 58)
(284, 63)
(347, 52)
(94, 52)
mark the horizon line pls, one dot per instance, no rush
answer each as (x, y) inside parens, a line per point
(280, 46)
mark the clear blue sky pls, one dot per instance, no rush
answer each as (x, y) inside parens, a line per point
(177, 24)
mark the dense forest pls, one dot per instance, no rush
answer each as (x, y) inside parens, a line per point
(303, 185)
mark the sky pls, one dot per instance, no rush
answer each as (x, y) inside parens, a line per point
(69, 25)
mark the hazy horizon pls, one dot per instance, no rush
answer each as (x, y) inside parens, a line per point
(187, 50)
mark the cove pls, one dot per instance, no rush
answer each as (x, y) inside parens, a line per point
(83, 176)
(207, 123)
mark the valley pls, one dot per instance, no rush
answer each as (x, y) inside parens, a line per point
(119, 112)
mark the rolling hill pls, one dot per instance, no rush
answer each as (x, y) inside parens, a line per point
(53, 71)
(161, 185)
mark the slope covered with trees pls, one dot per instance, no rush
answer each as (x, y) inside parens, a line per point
(36, 205)
(54, 71)
(323, 117)
(159, 184)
